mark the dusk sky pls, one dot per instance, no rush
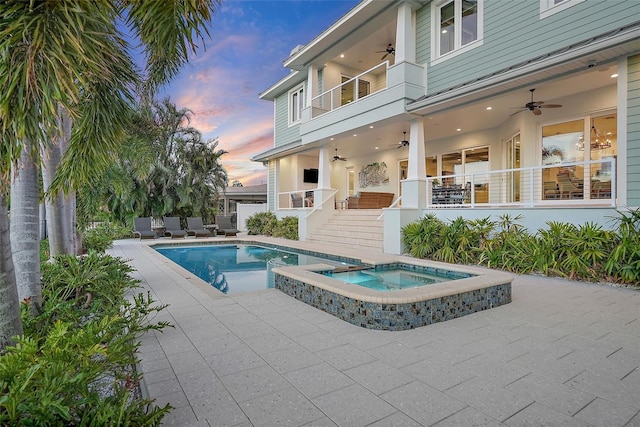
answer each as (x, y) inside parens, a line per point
(250, 39)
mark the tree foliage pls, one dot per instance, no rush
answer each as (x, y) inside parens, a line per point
(164, 168)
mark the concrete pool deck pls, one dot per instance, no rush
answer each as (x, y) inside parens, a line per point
(561, 353)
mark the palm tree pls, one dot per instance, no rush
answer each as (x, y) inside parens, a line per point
(72, 56)
(171, 170)
(10, 325)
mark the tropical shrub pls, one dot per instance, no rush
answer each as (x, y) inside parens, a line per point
(585, 252)
(287, 228)
(624, 260)
(75, 363)
(101, 237)
(261, 223)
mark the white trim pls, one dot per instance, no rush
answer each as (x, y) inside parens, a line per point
(458, 49)
(621, 160)
(300, 104)
(549, 7)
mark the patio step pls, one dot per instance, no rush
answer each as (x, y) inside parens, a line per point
(352, 228)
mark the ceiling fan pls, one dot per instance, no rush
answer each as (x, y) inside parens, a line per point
(535, 106)
(403, 143)
(337, 157)
(390, 50)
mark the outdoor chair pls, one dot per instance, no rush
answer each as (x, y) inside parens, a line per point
(569, 188)
(142, 228)
(225, 226)
(172, 227)
(196, 228)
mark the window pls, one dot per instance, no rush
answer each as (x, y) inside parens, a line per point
(296, 104)
(549, 7)
(457, 26)
(565, 144)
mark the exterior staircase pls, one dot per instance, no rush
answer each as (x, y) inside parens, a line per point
(352, 228)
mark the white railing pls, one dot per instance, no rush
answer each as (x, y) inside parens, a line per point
(321, 204)
(562, 184)
(395, 204)
(371, 81)
(298, 199)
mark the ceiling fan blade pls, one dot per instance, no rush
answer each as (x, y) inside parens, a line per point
(384, 56)
(550, 106)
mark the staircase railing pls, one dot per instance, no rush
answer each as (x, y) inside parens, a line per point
(319, 206)
(393, 205)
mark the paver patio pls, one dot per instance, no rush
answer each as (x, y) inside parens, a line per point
(561, 353)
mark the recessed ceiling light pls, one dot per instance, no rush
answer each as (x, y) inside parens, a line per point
(614, 75)
(376, 148)
(371, 127)
(342, 55)
(355, 134)
(458, 130)
(489, 108)
(332, 139)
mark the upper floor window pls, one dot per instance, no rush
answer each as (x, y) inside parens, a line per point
(296, 104)
(549, 7)
(457, 25)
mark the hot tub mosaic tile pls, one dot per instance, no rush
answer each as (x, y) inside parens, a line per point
(395, 317)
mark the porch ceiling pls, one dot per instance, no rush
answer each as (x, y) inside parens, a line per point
(470, 116)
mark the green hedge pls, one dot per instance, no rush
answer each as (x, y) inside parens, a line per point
(586, 252)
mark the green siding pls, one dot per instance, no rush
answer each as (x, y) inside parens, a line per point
(633, 131)
(283, 133)
(514, 32)
(271, 186)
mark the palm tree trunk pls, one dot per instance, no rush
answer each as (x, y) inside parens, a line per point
(10, 324)
(25, 212)
(61, 209)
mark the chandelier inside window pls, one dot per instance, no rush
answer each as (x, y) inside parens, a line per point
(598, 141)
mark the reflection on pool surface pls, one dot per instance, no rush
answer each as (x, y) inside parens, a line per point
(388, 280)
(236, 268)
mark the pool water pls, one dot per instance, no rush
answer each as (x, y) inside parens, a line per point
(388, 280)
(237, 268)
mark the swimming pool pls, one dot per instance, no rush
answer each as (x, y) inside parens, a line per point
(238, 268)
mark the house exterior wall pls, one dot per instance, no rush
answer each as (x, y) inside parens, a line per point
(514, 32)
(283, 133)
(271, 186)
(633, 131)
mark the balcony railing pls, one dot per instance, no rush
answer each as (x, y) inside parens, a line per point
(577, 183)
(364, 84)
(299, 199)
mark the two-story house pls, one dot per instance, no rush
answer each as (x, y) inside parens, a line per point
(469, 108)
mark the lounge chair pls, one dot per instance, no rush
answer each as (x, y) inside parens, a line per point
(142, 229)
(225, 226)
(196, 228)
(172, 227)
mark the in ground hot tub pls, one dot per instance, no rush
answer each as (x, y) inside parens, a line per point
(463, 291)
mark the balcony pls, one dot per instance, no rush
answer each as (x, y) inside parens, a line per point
(353, 90)
(590, 183)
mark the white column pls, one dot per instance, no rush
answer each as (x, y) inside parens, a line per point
(405, 35)
(324, 171)
(416, 168)
(415, 186)
(312, 84)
